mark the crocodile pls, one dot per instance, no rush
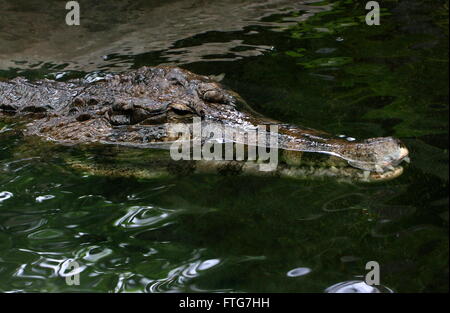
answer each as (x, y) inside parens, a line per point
(136, 109)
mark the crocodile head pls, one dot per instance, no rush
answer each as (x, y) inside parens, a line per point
(139, 107)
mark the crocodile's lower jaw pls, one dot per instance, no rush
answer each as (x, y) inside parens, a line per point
(348, 174)
(342, 174)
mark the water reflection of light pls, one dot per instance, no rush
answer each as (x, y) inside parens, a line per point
(138, 216)
(208, 264)
(149, 32)
(5, 195)
(178, 277)
(356, 286)
(93, 253)
(48, 267)
(299, 271)
(43, 198)
(68, 264)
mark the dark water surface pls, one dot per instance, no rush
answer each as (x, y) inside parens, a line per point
(311, 63)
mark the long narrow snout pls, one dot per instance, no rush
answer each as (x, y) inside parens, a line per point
(376, 154)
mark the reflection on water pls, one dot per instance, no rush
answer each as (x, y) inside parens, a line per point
(5, 195)
(300, 271)
(111, 34)
(356, 286)
(182, 275)
(143, 217)
(225, 233)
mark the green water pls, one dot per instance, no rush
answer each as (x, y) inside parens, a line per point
(247, 234)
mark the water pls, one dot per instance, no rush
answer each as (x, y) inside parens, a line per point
(309, 63)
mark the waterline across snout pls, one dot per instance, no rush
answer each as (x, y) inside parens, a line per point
(209, 140)
(217, 141)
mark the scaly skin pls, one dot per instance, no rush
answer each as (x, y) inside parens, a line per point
(136, 109)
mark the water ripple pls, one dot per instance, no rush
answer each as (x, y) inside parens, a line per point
(23, 223)
(41, 199)
(178, 278)
(5, 195)
(93, 253)
(300, 271)
(356, 286)
(138, 217)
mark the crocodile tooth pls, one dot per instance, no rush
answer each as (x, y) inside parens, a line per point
(366, 175)
(391, 168)
(407, 159)
(378, 169)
